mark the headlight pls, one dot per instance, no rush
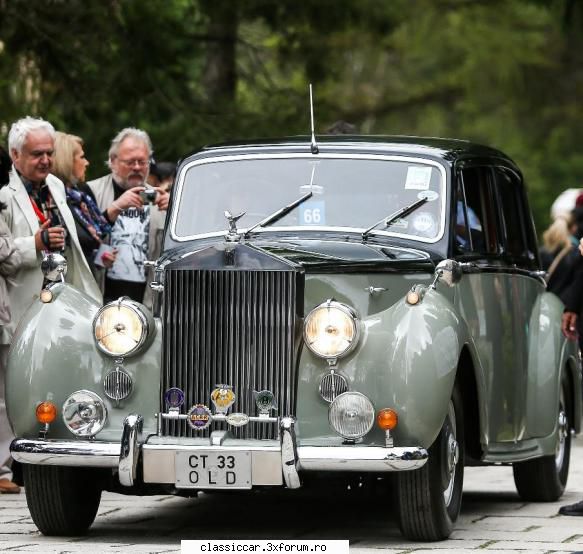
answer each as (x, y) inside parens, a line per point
(351, 415)
(122, 327)
(331, 330)
(84, 413)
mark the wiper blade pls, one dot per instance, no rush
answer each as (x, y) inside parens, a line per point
(276, 216)
(401, 212)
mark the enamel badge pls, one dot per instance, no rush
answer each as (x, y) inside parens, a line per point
(223, 398)
(199, 417)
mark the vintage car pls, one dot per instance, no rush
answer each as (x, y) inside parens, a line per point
(370, 308)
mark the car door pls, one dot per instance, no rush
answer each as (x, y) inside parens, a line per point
(485, 297)
(519, 252)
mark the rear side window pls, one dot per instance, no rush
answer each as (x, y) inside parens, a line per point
(514, 215)
(475, 220)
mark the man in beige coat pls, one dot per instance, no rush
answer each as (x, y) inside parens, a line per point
(31, 144)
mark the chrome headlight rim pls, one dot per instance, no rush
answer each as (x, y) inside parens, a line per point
(337, 401)
(140, 311)
(350, 312)
(97, 400)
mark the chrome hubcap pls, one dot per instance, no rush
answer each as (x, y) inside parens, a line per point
(563, 432)
(452, 454)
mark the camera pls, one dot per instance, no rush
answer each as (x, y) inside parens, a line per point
(148, 196)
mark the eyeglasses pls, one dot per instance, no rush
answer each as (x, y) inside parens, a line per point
(131, 163)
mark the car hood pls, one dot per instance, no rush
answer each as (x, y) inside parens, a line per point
(311, 255)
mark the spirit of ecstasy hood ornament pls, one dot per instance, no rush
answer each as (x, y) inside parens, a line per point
(233, 235)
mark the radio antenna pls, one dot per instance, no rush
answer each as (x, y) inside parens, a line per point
(313, 144)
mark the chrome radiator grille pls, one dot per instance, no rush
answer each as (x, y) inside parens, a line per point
(233, 327)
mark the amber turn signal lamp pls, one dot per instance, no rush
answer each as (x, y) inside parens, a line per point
(46, 412)
(387, 419)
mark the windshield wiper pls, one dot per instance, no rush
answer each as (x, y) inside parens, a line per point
(276, 216)
(401, 212)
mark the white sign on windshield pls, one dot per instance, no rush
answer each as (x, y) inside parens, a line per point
(418, 178)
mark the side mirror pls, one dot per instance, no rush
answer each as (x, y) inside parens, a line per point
(448, 271)
(54, 266)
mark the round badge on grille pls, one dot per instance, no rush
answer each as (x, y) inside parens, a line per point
(332, 385)
(199, 417)
(117, 384)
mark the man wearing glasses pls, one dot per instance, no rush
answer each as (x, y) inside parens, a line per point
(122, 197)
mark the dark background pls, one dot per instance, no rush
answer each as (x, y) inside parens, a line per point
(508, 73)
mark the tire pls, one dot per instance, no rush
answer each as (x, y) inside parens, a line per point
(429, 498)
(544, 479)
(62, 500)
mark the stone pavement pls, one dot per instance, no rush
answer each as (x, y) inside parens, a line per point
(493, 520)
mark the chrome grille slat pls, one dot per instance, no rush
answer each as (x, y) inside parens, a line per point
(234, 327)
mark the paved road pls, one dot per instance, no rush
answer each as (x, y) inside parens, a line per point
(493, 520)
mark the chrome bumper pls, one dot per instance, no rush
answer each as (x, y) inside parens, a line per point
(159, 456)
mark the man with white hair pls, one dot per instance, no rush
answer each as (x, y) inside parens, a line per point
(39, 220)
(134, 216)
(38, 216)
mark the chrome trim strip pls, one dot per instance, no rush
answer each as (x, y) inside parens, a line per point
(361, 458)
(66, 453)
(157, 447)
(217, 417)
(254, 156)
(289, 456)
(130, 449)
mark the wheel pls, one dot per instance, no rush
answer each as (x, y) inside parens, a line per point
(62, 500)
(544, 479)
(429, 498)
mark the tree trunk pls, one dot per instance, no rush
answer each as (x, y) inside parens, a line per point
(220, 75)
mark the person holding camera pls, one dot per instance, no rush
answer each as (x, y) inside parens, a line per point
(130, 205)
(38, 217)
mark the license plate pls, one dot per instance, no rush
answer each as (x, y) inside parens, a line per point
(208, 469)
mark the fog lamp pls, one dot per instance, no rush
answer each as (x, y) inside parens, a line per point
(387, 419)
(46, 412)
(331, 329)
(351, 415)
(84, 413)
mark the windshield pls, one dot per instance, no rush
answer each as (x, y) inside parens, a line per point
(349, 193)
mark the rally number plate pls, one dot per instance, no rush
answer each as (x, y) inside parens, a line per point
(207, 469)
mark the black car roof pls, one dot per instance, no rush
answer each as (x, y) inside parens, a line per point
(448, 149)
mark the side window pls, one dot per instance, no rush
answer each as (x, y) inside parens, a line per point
(512, 212)
(475, 213)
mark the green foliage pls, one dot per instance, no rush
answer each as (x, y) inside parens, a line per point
(193, 72)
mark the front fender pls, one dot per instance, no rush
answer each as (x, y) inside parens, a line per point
(406, 360)
(53, 354)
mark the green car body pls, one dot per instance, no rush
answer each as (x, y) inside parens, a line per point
(449, 327)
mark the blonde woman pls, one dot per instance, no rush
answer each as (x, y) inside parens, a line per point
(557, 241)
(93, 229)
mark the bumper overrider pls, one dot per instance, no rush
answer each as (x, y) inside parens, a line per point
(193, 463)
